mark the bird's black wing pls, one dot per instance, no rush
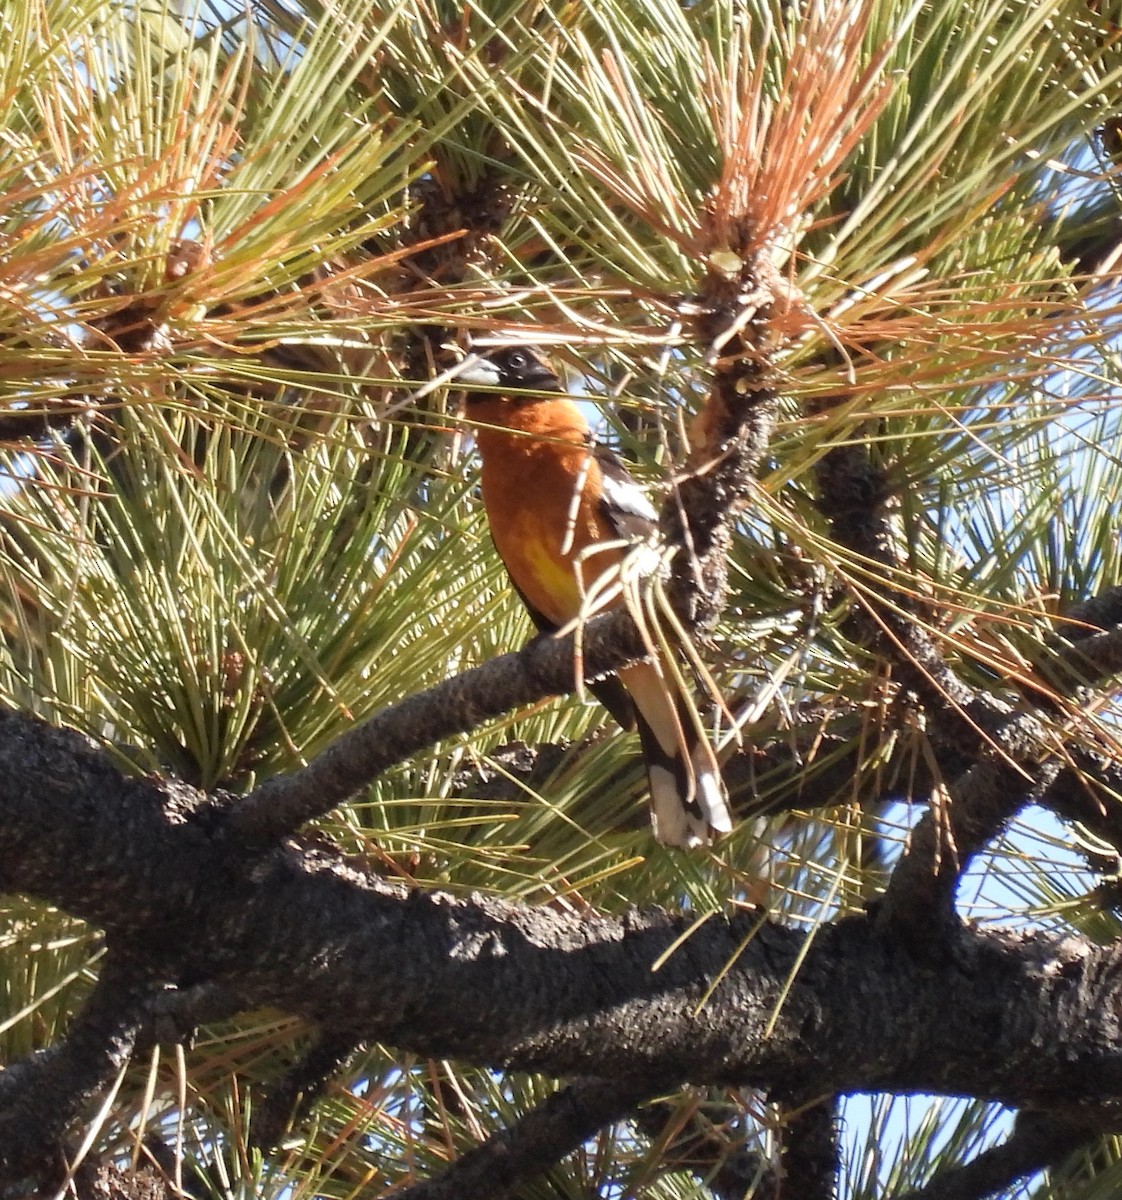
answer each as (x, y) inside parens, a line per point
(623, 503)
(616, 699)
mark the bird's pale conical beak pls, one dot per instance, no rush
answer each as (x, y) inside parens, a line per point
(479, 373)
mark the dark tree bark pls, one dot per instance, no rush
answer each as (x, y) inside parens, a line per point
(1025, 1019)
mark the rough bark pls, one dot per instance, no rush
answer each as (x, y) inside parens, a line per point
(1026, 1019)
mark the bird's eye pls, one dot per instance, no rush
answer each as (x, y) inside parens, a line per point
(517, 360)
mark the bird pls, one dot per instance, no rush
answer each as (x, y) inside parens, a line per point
(563, 510)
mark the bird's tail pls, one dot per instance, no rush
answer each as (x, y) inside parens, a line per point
(688, 801)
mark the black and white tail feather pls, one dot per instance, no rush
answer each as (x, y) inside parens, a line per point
(687, 794)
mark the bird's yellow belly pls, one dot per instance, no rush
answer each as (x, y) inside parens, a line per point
(544, 545)
(551, 583)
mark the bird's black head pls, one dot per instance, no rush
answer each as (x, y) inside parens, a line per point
(513, 368)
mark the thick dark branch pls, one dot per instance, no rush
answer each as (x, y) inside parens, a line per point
(76, 831)
(1022, 1020)
(1029, 1019)
(176, 1015)
(1038, 1141)
(535, 1143)
(43, 1095)
(1091, 657)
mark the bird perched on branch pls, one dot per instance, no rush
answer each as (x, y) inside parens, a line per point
(564, 513)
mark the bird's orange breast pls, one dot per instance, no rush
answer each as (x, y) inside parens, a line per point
(541, 487)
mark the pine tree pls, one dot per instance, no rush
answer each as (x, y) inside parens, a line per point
(319, 875)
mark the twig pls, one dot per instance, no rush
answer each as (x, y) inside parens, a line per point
(543, 668)
(918, 903)
(291, 1097)
(809, 1160)
(535, 1143)
(1038, 1140)
(920, 894)
(727, 1170)
(1008, 747)
(852, 493)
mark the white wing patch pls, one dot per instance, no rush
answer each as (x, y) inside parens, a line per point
(630, 510)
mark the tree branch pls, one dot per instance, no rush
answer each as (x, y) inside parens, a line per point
(1038, 1141)
(303, 930)
(920, 897)
(809, 1161)
(1099, 612)
(535, 1143)
(980, 803)
(1091, 657)
(42, 1095)
(291, 1097)
(545, 667)
(729, 1171)
(918, 903)
(852, 493)
(1087, 791)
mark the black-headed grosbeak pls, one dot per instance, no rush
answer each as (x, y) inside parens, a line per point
(552, 497)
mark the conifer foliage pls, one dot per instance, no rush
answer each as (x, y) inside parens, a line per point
(318, 875)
